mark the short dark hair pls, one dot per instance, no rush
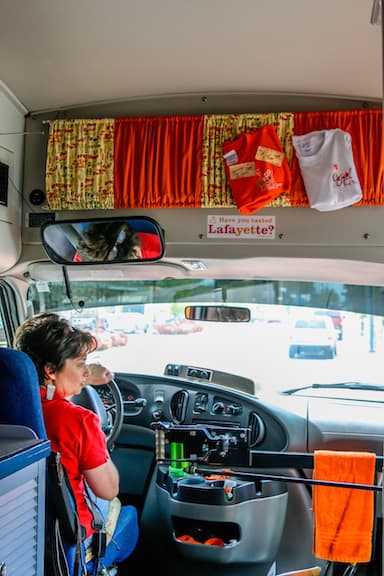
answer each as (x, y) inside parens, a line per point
(100, 239)
(49, 339)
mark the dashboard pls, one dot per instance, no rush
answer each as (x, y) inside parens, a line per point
(295, 423)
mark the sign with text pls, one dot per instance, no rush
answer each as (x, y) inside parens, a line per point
(242, 227)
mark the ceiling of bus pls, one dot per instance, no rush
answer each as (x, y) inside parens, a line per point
(57, 54)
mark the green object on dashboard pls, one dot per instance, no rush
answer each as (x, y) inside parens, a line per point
(177, 465)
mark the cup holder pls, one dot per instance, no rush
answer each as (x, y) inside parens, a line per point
(223, 520)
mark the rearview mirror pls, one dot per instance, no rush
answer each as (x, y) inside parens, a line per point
(217, 313)
(106, 240)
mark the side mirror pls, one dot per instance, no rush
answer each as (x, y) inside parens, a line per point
(217, 313)
(103, 240)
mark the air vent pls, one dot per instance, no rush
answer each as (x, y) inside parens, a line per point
(256, 429)
(178, 406)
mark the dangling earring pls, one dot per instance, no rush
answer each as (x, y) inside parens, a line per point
(51, 388)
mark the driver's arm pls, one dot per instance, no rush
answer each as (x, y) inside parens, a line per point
(99, 374)
(103, 480)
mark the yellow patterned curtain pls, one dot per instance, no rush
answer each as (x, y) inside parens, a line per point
(80, 164)
(219, 128)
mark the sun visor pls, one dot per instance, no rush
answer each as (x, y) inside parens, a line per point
(284, 269)
(48, 271)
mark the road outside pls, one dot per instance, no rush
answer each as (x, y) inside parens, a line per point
(259, 353)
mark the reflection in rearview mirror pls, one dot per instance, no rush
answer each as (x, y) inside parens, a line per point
(218, 313)
(106, 240)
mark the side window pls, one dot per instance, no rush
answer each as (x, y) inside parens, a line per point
(3, 339)
(9, 319)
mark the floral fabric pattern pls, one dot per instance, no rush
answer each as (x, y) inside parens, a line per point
(80, 164)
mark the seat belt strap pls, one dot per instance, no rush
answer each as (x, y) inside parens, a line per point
(99, 538)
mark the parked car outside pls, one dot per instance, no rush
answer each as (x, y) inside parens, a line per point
(84, 322)
(128, 322)
(336, 318)
(312, 336)
(104, 340)
(178, 326)
(135, 322)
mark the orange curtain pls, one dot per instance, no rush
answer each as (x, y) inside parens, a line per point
(365, 128)
(158, 162)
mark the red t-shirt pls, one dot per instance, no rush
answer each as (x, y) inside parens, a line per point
(257, 168)
(150, 245)
(75, 432)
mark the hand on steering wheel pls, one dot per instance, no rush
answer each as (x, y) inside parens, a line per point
(99, 374)
(112, 421)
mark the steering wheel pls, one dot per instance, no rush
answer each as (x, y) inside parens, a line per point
(111, 418)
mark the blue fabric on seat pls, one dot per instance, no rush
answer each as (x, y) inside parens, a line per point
(21, 406)
(20, 394)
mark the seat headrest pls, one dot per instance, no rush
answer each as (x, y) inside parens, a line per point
(20, 393)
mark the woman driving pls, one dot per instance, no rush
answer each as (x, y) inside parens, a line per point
(59, 352)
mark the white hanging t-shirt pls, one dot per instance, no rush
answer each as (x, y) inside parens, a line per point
(328, 169)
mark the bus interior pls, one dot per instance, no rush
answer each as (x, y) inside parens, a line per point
(246, 332)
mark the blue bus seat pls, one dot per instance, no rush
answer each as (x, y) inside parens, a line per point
(21, 405)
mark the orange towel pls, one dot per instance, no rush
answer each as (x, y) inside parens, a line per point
(343, 517)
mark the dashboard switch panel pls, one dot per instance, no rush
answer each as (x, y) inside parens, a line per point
(201, 402)
(172, 370)
(222, 406)
(199, 373)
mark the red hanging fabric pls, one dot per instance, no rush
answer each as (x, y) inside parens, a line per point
(158, 162)
(256, 168)
(365, 128)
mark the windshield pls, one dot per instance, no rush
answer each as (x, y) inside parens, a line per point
(298, 334)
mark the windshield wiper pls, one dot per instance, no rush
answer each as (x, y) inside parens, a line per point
(341, 385)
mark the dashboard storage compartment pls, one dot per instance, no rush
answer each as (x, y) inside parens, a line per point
(223, 519)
